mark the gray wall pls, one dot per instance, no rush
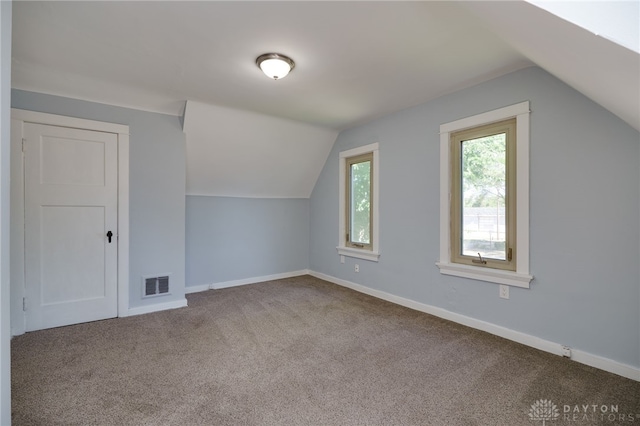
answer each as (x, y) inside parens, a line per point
(238, 238)
(585, 210)
(5, 150)
(156, 183)
(585, 241)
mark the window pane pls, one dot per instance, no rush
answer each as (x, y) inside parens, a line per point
(483, 196)
(360, 202)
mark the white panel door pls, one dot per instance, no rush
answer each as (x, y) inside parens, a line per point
(71, 193)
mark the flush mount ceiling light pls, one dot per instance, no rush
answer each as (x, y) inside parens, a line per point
(275, 65)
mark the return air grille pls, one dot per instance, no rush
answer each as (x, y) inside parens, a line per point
(155, 286)
(163, 285)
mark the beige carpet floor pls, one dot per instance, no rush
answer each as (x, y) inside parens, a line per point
(298, 351)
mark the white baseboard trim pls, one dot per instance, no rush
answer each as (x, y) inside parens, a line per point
(139, 310)
(577, 355)
(197, 288)
(245, 281)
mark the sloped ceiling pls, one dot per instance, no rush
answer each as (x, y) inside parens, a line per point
(355, 61)
(600, 68)
(252, 154)
(618, 21)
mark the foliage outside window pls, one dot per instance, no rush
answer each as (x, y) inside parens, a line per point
(483, 196)
(359, 201)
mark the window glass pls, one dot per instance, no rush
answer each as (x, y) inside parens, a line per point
(358, 223)
(484, 175)
(483, 199)
(359, 199)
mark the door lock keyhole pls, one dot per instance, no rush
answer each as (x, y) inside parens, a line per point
(109, 235)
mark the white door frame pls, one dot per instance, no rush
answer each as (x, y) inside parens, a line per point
(18, 118)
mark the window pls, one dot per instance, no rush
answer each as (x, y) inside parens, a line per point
(484, 197)
(359, 200)
(358, 230)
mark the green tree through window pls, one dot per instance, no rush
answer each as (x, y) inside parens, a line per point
(484, 171)
(361, 202)
(358, 222)
(483, 195)
(484, 181)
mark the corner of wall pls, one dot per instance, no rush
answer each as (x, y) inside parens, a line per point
(5, 152)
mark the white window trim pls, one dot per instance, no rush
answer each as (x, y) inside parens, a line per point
(374, 253)
(521, 277)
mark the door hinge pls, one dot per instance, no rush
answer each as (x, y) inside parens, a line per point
(510, 255)
(23, 141)
(24, 303)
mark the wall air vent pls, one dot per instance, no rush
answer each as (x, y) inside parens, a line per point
(155, 286)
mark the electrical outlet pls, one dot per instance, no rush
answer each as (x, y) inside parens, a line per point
(566, 351)
(356, 267)
(341, 258)
(504, 291)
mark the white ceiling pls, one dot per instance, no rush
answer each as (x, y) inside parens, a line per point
(355, 61)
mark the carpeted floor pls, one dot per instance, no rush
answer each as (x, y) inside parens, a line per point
(298, 351)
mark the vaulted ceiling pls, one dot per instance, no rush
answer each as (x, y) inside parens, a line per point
(355, 61)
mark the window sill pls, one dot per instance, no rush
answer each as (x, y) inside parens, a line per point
(360, 254)
(486, 274)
